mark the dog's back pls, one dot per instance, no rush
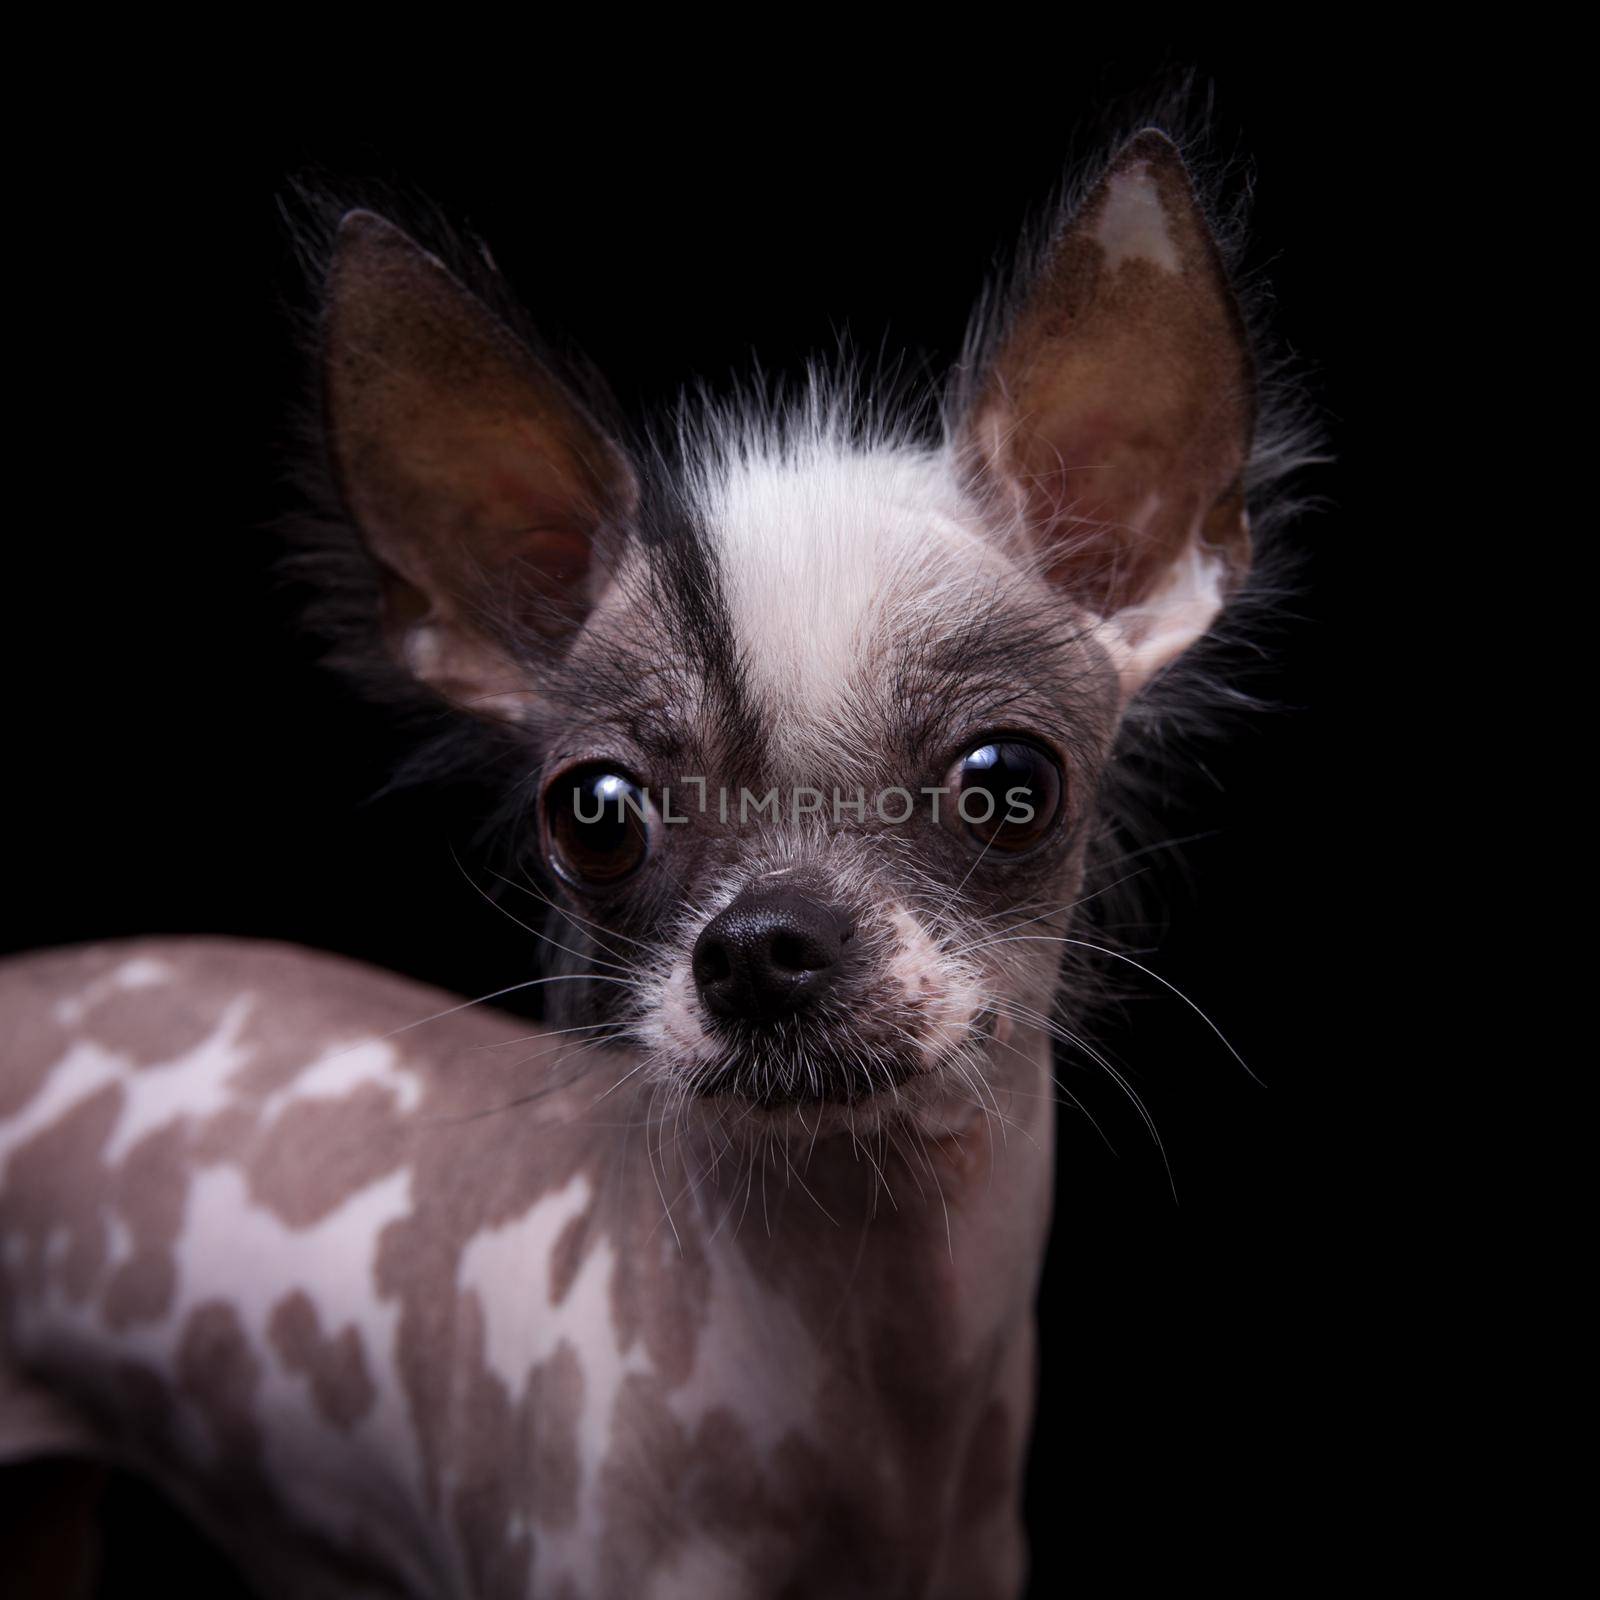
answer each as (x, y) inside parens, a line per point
(204, 1144)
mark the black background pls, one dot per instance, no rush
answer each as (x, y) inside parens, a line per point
(190, 767)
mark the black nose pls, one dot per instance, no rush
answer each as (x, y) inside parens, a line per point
(770, 953)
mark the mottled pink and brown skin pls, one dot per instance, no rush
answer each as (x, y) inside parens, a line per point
(380, 1330)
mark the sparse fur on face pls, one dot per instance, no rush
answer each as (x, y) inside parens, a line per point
(838, 593)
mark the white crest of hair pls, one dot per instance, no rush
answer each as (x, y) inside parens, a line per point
(836, 528)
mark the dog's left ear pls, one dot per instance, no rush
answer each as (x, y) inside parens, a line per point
(1117, 410)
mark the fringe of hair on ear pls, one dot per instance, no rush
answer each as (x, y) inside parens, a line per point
(1225, 679)
(325, 557)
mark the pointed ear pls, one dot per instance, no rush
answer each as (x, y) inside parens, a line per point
(1116, 414)
(481, 487)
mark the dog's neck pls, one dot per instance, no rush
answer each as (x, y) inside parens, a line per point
(387, 1306)
(903, 1261)
(874, 1334)
(788, 1334)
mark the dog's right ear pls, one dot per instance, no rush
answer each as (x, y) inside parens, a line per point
(482, 488)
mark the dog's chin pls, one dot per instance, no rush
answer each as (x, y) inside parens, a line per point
(807, 1076)
(776, 1083)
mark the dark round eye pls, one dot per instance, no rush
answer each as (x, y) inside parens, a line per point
(597, 822)
(1007, 795)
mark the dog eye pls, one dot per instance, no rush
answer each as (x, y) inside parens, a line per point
(1007, 795)
(596, 825)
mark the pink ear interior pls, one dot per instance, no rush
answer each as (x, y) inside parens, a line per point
(1119, 408)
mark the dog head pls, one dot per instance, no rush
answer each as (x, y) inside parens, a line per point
(818, 711)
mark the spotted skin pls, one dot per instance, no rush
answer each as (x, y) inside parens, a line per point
(383, 1331)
